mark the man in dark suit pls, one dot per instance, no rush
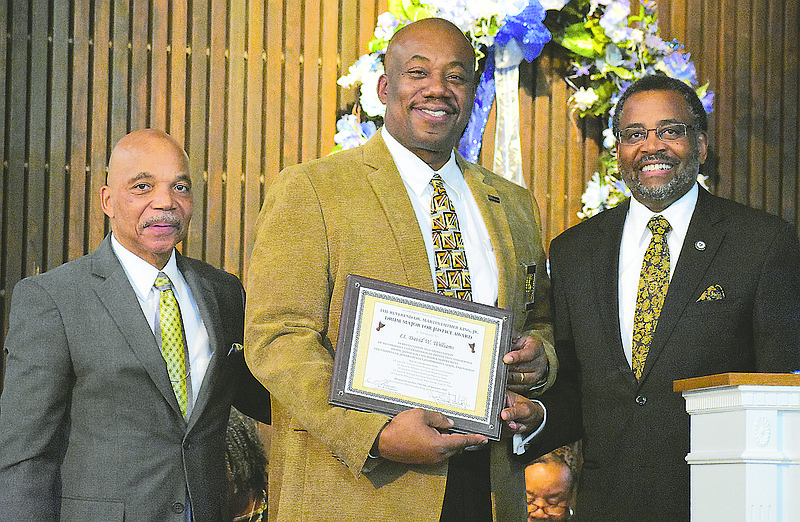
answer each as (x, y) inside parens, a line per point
(714, 289)
(94, 424)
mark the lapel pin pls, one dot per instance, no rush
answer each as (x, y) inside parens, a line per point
(700, 245)
(493, 198)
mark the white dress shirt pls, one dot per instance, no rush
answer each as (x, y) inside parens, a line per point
(142, 275)
(481, 260)
(416, 175)
(635, 240)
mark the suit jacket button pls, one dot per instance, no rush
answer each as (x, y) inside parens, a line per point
(640, 400)
(177, 507)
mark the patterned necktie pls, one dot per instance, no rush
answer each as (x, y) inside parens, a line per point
(653, 283)
(452, 274)
(172, 344)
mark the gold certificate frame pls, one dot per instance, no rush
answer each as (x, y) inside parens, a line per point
(401, 348)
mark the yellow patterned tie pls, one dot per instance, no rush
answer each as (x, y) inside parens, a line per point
(172, 344)
(653, 283)
(452, 273)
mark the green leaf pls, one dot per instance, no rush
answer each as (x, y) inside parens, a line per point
(578, 40)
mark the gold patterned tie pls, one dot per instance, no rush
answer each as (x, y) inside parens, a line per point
(653, 283)
(452, 273)
(172, 343)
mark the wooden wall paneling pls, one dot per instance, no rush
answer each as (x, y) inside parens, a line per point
(14, 196)
(757, 117)
(197, 121)
(99, 119)
(36, 171)
(120, 117)
(293, 30)
(329, 74)
(235, 143)
(742, 97)
(78, 118)
(273, 89)
(349, 41)
(178, 49)
(56, 237)
(5, 248)
(724, 115)
(255, 116)
(772, 41)
(158, 71)
(558, 152)
(15, 190)
(790, 123)
(541, 171)
(141, 87)
(218, 93)
(310, 59)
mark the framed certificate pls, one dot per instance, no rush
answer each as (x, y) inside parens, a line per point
(401, 348)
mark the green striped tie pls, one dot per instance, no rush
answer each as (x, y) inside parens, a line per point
(172, 343)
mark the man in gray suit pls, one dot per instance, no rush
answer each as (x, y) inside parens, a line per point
(94, 424)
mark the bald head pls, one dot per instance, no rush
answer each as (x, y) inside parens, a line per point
(148, 194)
(421, 29)
(428, 88)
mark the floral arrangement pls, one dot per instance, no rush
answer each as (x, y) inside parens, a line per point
(610, 47)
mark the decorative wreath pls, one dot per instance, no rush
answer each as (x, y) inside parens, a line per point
(608, 46)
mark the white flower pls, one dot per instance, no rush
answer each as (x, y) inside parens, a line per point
(636, 36)
(584, 98)
(609, 140)
(370, 102)
(596, 192)
(387, 25)
(366, 65)
(554, 5)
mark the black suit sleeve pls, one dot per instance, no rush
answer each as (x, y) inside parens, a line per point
(562, 400)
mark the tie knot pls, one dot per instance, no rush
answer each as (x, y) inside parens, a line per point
(437, 181)
(162, 282)
(658, 225)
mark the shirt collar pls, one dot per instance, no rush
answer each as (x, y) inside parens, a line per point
(417, 174)
(140, 273)
(678, 214)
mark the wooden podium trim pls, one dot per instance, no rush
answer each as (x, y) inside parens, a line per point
(737, 379)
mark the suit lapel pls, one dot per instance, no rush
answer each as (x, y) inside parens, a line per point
(120, 300)
(496, 222)
(706, 225)
(205, 298)
(385, 180)
(606, 280)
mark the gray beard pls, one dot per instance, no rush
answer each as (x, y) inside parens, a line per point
(687, 175)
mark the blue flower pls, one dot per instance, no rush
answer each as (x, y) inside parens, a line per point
(351, 132)
(678, 66)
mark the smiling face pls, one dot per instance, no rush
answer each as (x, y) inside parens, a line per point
(659, 172)
(148, 196)
(428, 88)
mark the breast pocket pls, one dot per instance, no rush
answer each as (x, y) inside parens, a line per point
(91, 510)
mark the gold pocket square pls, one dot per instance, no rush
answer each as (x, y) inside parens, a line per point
(712, 293)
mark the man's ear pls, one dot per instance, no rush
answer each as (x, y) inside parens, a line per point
(702, 146)
(382, 86)
(105, 201)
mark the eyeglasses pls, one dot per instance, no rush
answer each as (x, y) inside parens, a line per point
(665, 132)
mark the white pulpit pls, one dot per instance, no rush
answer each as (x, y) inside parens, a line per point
(744, 458)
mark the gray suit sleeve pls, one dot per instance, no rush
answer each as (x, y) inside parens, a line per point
(33, 406)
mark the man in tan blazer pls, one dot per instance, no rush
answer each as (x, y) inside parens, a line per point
(354, 213)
